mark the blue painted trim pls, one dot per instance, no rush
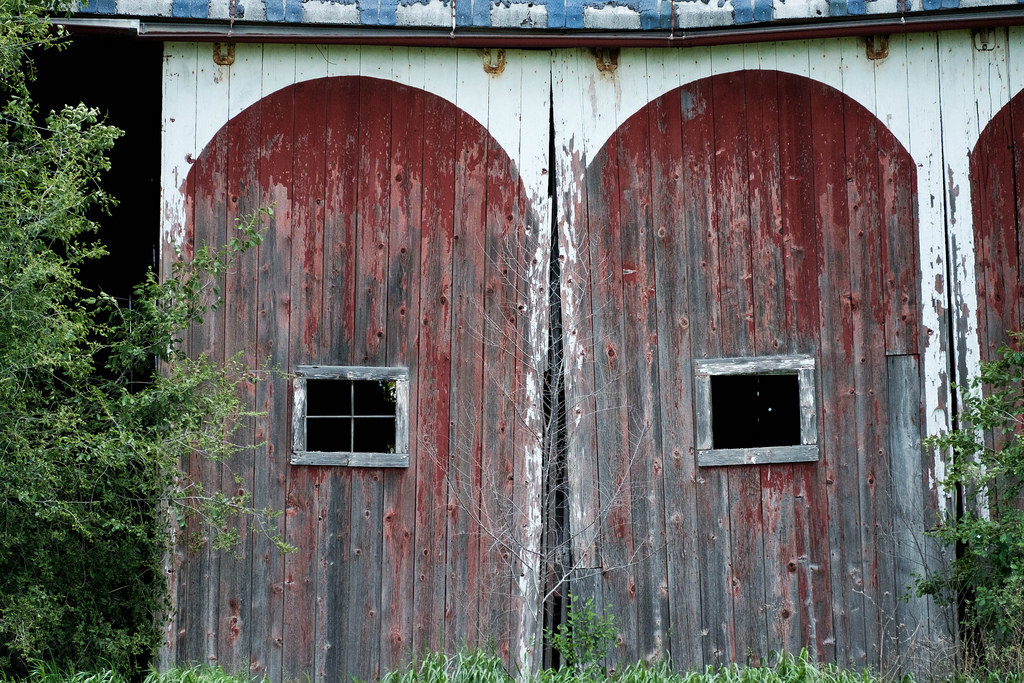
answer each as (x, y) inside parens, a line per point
(463, 12)
(200, 9)
(953, 4)
(275, 9)
(293, 11)
(930, 4)
(368, 12)
(89, 6)
(649, 18)
(573, 14)
(665, 14)
(181, 8)
(857, 7)
(106, 6)
(764, 10)
(387, 13)
(837, 8)
(742, 11)
(556, 13)
(482, 12)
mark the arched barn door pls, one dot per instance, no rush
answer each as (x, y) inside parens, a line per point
(767, 219)
(403, 236)
(997, 198)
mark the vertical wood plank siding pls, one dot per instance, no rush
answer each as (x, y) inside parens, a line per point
(784, 203)
(709, 203)
(396, 239)
(996, 167)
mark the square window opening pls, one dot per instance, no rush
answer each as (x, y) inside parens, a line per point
(755, 410)
(350, 416)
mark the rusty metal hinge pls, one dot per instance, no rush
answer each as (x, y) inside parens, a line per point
(607, 59)
(224, 54)
(494, 61)
(983, 39)
(876, 47)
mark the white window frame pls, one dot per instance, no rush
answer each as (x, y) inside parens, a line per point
(802, 366)
(301, 456)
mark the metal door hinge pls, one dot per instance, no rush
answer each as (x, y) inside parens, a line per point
(224, 54)
(876, 47)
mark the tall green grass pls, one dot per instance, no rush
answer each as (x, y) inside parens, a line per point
(473, 666)
(781, 669)
(478, 667)
(43, 672)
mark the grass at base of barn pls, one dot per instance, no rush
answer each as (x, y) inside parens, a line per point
(480, 667)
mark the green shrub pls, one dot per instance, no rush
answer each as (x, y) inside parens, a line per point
(91, 433)
(584, 639)
(986, 476)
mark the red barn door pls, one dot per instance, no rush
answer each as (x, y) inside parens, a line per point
(750, 216)
(402, 236)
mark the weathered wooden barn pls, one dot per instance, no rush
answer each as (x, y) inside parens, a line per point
(650, 302)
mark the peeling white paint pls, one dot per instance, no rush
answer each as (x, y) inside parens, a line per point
(156, 8)
(252, 10)
(694, 15)
(435, 13)
(611, 17)
(324, 12)
(614, 14)
(881, 7)
(519, 15)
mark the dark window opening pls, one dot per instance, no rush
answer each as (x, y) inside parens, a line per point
(755, 411)
(83, 73)
(355, 416)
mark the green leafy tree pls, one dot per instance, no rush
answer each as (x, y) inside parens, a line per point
(986, 475)
(97, 404)
(584, 639)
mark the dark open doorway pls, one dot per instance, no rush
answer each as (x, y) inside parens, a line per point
(120, 77)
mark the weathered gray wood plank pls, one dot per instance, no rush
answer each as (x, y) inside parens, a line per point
(362, 566)
(732, 184)
(762, 365)
(643, 390)
(466, 437)
(271, 458)
(304, 346)
(403, 317)
(615, 452)
(757, 456)
(501, 538)
(702, 239)
(334, 496)
(670, 246)
(240, 307)
(839, 434)
(434, 372)
(810, 561)
(315, 458)
(915, 635)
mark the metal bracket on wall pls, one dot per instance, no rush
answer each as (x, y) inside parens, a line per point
(983, 39)
(607, 59)
(224, 54)
(876, 47)
(494, 61)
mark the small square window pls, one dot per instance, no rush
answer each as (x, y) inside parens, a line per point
(350, 416)
(755, 410)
